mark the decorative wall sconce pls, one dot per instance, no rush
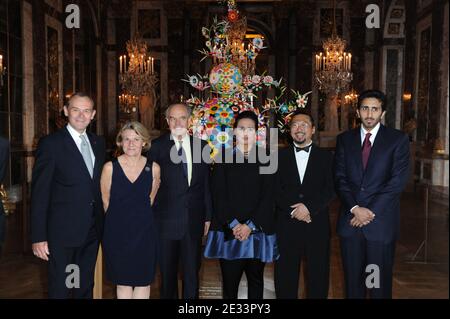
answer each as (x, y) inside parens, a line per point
(407, 97)
(439, 147)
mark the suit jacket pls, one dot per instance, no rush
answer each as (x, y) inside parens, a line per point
(179, 207)
(316, 192)
(4, 153)
(64, 197)
(378, 188)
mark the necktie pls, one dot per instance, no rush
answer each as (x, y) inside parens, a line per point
(366, 150)
(86, 153)
(306, 148)
(182, 155)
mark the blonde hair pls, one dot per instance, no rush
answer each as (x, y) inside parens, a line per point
(139, 129)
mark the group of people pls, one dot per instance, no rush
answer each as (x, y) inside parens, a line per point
(153, 211)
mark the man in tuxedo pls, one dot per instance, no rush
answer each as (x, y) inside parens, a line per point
(304, 191)
(4, 154)
(183, 204)
(66, 205)
(371, 170)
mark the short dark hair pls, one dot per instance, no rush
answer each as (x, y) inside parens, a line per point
(246, 115)
(81, 95)
(380, 96)
(301, 112)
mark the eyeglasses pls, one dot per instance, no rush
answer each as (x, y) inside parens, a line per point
(302, 125)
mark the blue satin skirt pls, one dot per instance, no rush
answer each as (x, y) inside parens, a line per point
(258, 246)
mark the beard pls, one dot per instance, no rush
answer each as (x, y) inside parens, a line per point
(299, 138)
(370, 122)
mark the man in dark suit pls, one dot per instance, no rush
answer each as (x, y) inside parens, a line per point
(183, 204)
(371, 170)
(304, 191)
(4, 154)
(66, 205)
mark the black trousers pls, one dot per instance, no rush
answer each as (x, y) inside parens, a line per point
(173, 252)
(287, 268)
(232, 271)
(63, 266)
(357, 254)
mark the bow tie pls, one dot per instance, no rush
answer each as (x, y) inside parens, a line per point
(306, 148)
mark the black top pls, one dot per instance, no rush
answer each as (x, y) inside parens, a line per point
(241, 192)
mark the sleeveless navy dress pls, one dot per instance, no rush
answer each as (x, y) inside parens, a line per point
(130, 238)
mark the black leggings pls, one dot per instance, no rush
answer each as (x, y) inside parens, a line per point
(231, 276)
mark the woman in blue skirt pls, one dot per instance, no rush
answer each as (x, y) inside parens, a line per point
(242, 228)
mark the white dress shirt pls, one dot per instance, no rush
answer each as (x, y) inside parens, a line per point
(76, 137)
(374, 133)
(302, 158)
(187, 150)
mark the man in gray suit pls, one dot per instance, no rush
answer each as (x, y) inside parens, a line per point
(4, 153)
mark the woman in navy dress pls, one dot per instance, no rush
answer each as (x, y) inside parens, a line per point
(129, 186)
(242, 231)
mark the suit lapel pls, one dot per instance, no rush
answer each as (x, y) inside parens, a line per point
(194, 168)
(310, 166)
(94, 146)
(293, 163)
(357, 150)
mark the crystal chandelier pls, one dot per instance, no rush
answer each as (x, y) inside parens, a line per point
(128, 103)
(137, 73)
(351, 97)
(332, 67)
